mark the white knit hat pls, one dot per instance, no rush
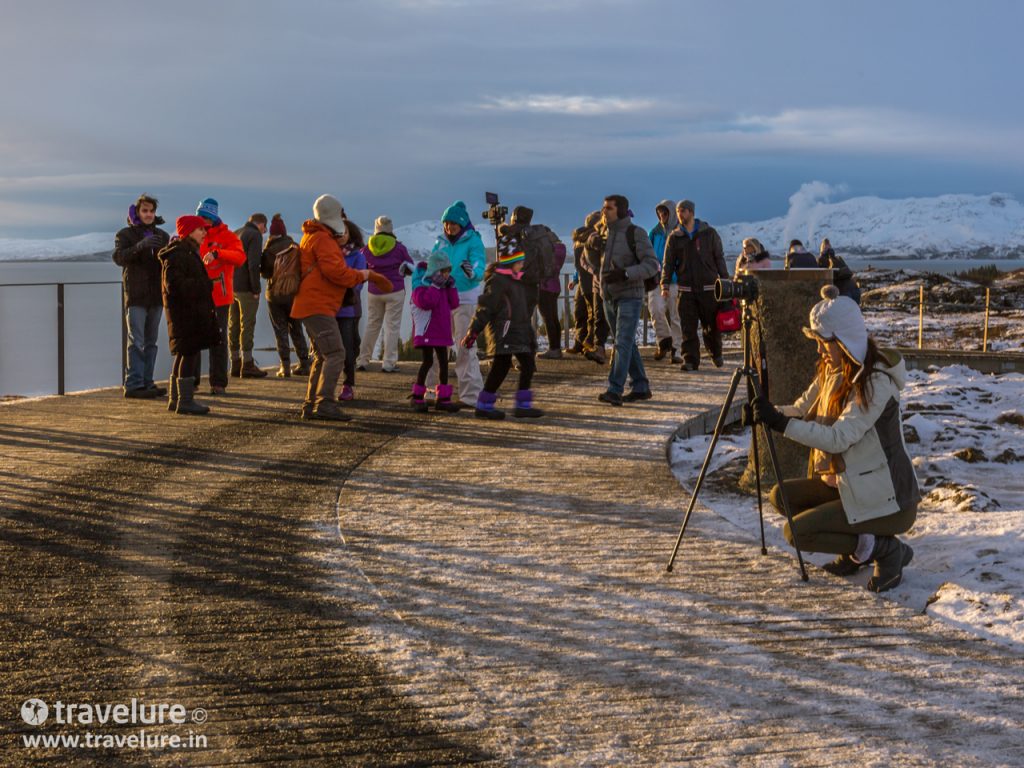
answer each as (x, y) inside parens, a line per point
(839, 318)
(383, 225)
(328, 211)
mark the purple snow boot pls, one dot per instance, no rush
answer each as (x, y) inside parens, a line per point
(524, 405)
(418, 403)
(444, 399)
(485, 406)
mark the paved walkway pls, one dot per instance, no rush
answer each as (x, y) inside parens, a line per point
(438, 590)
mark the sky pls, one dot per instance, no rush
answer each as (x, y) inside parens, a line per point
(399, 107)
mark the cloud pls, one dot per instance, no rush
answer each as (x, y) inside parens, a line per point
(560, 104)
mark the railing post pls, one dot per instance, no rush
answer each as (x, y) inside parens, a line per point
(984, 338)
(60, 339)
(920, 319)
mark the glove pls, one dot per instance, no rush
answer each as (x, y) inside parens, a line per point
(469, 340)
(767, 414)
(383, 284)
(617, 275)
(152, 241)
(405, 269)
(467, 269)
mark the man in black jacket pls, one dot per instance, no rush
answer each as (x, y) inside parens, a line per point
(694, 254)
(242, 314)
(135, 249)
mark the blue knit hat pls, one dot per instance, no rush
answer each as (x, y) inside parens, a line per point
(208, 209)
(457, 213)
(436, 263)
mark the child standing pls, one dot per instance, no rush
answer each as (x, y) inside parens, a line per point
(434, 297)
(351, 307)
(503, 310)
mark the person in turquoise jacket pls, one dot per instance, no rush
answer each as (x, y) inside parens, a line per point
(464, 247)
(665, 310)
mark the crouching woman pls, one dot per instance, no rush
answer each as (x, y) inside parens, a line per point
(191, 316)
(862, 490)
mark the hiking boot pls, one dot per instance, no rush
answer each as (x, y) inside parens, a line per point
(418, 397)
(891, 556)
(347, 393)
(444, 399)
(389, 369)
(301, 368)
(597, 355)
(611, 398)
(664, 348)
(284, 371)
(843, 565)
(236, 368)
(576, 349)
(551, 354)
(485, 406)
(677, 359)
(172, 394)
(306, 413)
(160, 391)
(687, 367)
(187, 404)
(140, 393)
(252, 371)
(328, 410)
(215, 390)
(524, 405)
(634, 396)
(718, 360)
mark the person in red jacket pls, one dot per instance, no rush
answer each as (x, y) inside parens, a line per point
(325, 278)
(221, 252)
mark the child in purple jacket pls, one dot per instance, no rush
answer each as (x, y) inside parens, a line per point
(351, 307)
(434, 296)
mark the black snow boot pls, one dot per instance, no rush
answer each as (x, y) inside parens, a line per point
(891, 556)
(844, 565)
(664, 348)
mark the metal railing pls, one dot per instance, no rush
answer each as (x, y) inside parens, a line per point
(61, 324)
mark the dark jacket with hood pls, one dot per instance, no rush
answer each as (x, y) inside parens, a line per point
(188, 300)
(697, 262)
(140, 268)
(247, 276)
(503, 314)
(276, 245)
(842, 275)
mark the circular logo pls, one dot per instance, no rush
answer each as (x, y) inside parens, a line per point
(199, 715)
(34, 711)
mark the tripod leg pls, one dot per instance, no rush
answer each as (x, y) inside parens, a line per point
(707, 462)
(757, 480)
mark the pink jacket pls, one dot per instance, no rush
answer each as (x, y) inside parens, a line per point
(432, 315)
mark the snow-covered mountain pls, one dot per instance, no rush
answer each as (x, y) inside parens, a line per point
(950, 226)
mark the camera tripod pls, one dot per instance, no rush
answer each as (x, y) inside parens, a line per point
(748, 372)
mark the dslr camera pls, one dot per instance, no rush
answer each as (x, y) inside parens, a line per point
(496, 212)
(743, 288)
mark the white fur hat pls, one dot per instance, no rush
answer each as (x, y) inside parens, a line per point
(839, 318)
(328, 211)
(383, 225)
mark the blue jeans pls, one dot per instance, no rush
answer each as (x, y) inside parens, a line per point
(143, 330)
(623, 317)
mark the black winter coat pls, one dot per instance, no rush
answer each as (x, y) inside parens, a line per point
(188, 299)
(697, 262)
(275, 246)
(247, 276)
(140, 267)
(503, 315)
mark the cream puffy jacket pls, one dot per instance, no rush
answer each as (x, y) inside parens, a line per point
(879, 479)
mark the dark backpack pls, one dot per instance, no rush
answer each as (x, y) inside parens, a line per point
(652, 282)
(287, 274)
(543, 249)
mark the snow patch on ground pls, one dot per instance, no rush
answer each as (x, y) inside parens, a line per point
(965, 432)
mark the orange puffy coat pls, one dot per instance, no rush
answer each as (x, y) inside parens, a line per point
(326, 275)
(222, 251)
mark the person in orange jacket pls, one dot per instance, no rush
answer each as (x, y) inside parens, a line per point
(325, 278)
(221, 252)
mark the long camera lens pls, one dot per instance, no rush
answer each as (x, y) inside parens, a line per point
(743, 289)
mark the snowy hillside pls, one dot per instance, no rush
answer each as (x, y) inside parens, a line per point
(94, 244)
(951, 226)
(420, 237)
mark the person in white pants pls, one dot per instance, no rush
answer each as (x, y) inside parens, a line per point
(465, 250)
(665, 311)
(391, 259)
